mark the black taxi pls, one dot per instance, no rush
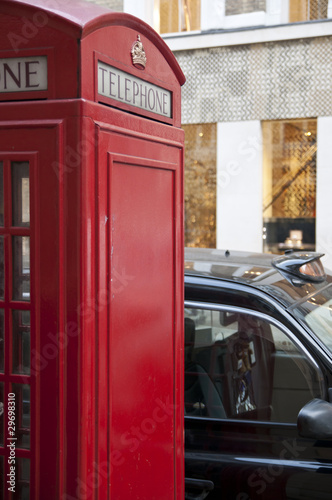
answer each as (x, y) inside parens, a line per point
(258, 376)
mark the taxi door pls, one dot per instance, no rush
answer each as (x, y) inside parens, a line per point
(247, 376)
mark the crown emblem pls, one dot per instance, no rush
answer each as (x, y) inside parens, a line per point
(138, 54)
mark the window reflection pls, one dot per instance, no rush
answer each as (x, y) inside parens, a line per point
(21, 342)
(20, 194)
(1, 413)
(2, 270)
(21, 267)
(2, 340)
(23, 479)
(22, 413)
(244, 367)
(2, 475)
(1, 195)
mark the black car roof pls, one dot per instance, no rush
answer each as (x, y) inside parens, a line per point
(252, 269)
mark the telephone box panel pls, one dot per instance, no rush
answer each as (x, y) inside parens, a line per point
(142, 326)
(91, 256)
(141, 250)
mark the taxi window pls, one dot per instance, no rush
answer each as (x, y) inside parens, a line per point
(316, 312)
(241, 366)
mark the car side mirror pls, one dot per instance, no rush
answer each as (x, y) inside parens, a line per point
(315, 420)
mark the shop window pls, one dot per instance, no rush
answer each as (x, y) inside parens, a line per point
(289, 193)
(310, 10)
(178, 15)
(200, 185)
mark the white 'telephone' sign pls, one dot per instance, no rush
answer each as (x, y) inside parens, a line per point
(126, 88)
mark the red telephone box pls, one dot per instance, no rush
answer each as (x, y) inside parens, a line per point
(91, 247)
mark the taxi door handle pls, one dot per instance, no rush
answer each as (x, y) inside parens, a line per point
(203, 487)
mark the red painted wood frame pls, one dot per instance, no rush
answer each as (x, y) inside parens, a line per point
(18, 432)
(34, 143)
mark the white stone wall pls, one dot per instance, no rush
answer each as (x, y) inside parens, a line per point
(324, 189)
(239, 186)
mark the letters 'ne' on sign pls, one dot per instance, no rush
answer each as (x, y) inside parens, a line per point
(22, 74)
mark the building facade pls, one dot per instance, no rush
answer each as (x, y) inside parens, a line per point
(257, 112)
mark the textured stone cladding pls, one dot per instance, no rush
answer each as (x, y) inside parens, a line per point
(266, 81)
(115, 5)
(233, 7)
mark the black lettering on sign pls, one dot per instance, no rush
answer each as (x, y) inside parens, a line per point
(133, 91)
(21, 74)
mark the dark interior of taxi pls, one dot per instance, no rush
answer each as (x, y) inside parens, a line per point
(249, 374)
